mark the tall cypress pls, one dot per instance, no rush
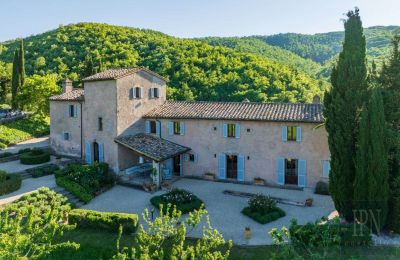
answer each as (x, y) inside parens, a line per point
(15, 81)
(342, 106)
(371, 182)
(21, 57)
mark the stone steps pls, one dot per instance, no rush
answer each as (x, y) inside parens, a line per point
(71, 198)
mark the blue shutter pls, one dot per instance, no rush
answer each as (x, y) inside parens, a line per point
(302, 173)
(67, 111)
(101, 152)
(181, 165)
(240, 168)
(196, 157)
(284, 133)
(158, 128)
(237, 131)
(75, 110)
(170, 164)
(182, 128)
(88, 153)
(147, 127)
(280, 171)
(186, 157)
(225, 130)
(298, 134)
(131, 93)
(326, 168)
(221, 166)
(171, 128)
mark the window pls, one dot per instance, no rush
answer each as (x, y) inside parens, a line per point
(137, 92)
(66, 136)
(177, 128)
(71, 111)
(248, 130)
(153, 127)
(232, 130)
(155, 92)
(100, 124)
(291, 133)
(191, 157)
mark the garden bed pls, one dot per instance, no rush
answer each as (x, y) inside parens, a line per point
(35, 156)
(9, 182)
(263, 209)
(184, 200)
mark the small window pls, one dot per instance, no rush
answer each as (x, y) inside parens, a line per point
(153, 127)
(100, 124)
(191, 157)
(248, 130)
(177, 128)
(71, 111)
(66, 136)
(291, 133)
(232, 130)
(137, 92)
(155, 92)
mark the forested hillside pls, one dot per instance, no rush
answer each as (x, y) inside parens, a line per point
(195, 69)
(323, 46)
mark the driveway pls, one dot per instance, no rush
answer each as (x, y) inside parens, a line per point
(224, 210)
(39, 142)
(28, 186)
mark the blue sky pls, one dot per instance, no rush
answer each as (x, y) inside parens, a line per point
(194, 18)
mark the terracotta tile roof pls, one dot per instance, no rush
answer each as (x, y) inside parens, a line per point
(151, 146)
(250, 111)
(74, 95)
(119, 73)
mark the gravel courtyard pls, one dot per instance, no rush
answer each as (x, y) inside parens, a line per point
(224, 210)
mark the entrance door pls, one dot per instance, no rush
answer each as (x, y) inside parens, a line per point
(291, 171)
(96, 152)
(177, 165)
(231, 166)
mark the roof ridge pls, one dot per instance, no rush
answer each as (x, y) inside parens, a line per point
(239, 102)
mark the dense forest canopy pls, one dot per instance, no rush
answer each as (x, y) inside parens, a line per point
(195, 69)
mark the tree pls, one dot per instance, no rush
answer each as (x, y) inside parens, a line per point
(34, 95)
(88, 66)
(16, 81)
(5, 80)
(21, 57)
(371, 181)
(342, 105)
(168, 232)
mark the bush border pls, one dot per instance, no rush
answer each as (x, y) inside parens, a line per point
(30, 159)
(184, 208)
(275, 214)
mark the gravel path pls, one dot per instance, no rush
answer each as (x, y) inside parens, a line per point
(224, 210)
(16, 166)
(31, 143)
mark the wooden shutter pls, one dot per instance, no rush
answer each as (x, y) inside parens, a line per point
(298, 134)
(131, 93)
(196, 157)
(182, 128)
(147, 127)
(280, 171)
(237, 131)
(302, 173)
(67, 111)
(221, 166)
(158, 128)
(75, 110)
(240, 168)
(284, 133)
(88, 153)
(101, 152)
(151, 92)
(225, 130)
(326, 168)
(181, 165)
(140, 92)
(171, 128)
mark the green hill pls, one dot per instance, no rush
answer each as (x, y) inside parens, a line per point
(322, 47)
(195, 69)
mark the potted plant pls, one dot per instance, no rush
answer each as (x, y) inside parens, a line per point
(165, 185)
(259, 181)
(309, 202)
(209, 176)
(247, 233)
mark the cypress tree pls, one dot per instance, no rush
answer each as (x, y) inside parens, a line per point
(342, 106)
(89, 68)
(371, 181)
(21, 57)
(15, 81)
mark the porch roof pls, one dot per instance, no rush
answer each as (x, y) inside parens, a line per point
(153, 147)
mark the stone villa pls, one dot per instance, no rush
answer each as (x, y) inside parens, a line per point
(122, 117)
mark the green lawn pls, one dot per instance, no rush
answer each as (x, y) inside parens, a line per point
(23, 129)
(96, 244)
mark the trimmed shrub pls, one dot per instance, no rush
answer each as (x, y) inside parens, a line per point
(43, 170)
(6, 154)
(322, 188)
(26, 150)
(12, 183)
(35, 156)
(184, 200)
(103, 220)
(3, 176)
(264, 218)
(75, 189)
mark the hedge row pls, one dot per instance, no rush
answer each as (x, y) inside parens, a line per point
(43, 170)
(156, 201)
(12, 183)
(30, 158)
(264, 218)
(103, 220)
(74, 188)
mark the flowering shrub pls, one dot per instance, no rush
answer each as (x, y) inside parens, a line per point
(262, 204)
(263, 209)
(184, 200)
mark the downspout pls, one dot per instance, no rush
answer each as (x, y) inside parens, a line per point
(81, 130)
(159, 164)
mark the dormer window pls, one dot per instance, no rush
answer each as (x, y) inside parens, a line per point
(154, 93)
(135, 93)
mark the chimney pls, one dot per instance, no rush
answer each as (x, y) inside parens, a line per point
(66, 86)
(316, 100)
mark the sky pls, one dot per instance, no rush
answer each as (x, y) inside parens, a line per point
(194, 18)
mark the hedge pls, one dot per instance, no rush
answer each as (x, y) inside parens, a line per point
(74, 188)
(264, 218)
(322, 188)
(30, 158)
(103, 220)
(43, 170)
(12, 183)
(156, 201)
